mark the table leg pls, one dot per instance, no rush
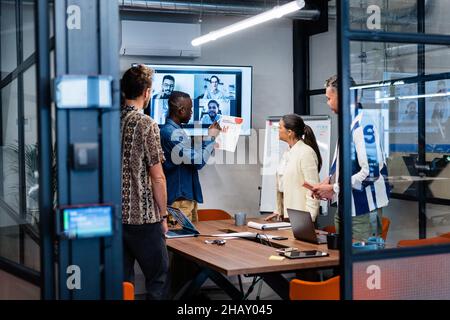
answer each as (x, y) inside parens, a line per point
(193, 286)
(278, 283)
(223, 283)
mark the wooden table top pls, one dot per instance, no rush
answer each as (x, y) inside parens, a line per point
(241, 256)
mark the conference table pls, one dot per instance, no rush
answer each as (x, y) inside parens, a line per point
(250, 257)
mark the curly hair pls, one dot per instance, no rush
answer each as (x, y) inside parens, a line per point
(136, 80)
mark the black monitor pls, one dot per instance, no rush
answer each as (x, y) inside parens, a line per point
(215, 91)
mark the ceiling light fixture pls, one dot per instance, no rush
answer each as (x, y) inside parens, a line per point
(419, 96)
(275, 13)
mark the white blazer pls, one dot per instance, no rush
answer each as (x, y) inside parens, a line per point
(302, 165)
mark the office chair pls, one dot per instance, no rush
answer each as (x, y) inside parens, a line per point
(445, 235)
(306, 290)
(423, 242)
(385, 223)
(330, 229)
(128, 291)
(212, 214)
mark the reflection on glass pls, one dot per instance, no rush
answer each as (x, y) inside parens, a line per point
(387, 90)
(9, 149)
(399, 16)
(389, 16)
(9, 171)
(29, 45)
(8, 42)
(31, 147)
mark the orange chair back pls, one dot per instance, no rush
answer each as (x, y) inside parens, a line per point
(330, 229)
(305, 290)
(128, 291)
(212, 214)
(423, 242)
(385, 223)
(445, 235)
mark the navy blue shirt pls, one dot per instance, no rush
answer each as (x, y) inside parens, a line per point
(183, 160)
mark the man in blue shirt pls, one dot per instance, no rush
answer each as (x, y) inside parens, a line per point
(183, 160)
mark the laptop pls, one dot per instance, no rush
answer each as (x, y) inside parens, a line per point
(188, 230)
(303, 227)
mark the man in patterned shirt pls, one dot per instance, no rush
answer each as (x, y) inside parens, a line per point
(144, 195)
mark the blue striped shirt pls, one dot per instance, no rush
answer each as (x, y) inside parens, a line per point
(370, 189)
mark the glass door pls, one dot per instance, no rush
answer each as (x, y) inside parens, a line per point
(395, 127)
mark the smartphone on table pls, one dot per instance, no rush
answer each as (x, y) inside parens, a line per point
(295, 254)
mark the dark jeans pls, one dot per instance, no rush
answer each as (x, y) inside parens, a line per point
(146, 244)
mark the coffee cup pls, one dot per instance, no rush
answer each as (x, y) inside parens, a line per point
(240, 219)
(333, 241)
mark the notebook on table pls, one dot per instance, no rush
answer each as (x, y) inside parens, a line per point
(268, 226)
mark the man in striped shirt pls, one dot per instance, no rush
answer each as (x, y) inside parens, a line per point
(370, 189)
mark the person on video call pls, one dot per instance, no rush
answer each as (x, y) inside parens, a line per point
(160, 106)
(214, 92)
(213, 113)
(410, 113)
(370, 188)
(300, 163)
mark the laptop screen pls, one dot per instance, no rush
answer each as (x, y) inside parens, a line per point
(179, 216)
(302, 225)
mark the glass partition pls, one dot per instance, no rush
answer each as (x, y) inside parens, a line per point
(397, 159)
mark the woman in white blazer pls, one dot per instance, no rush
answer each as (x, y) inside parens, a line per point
(299, 164)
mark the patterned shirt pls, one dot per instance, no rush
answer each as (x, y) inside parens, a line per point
(141, 149)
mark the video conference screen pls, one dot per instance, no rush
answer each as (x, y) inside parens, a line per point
(215, 91)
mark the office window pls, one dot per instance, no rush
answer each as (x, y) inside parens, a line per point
(391, 16)
(9, 201)
(29, 45)
(397, 98)
(8, 38)
(19, 171)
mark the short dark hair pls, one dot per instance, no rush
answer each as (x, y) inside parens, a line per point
(135, 81)
(168, 77)
(174, 101)
(218, 80)
(214, 101)
(332, 82)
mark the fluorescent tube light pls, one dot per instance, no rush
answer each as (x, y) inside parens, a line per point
(275, 13)
(429, 95)
(377, 85)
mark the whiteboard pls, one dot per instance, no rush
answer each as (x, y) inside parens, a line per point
(274, 149)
